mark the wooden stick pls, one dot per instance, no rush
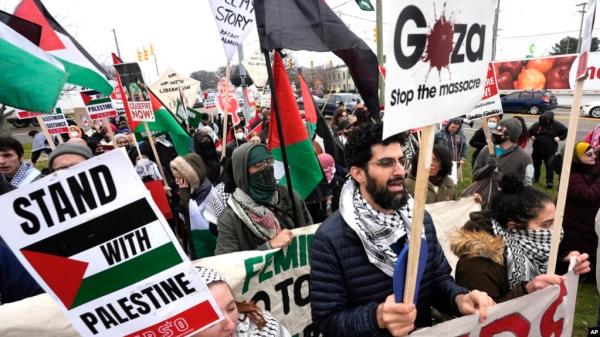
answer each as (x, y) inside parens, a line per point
(488, 136)
(326, 99)
(49, 138)
(225, 113)
(563, 186)
(151, 141)
(60, 140)
(414, 248)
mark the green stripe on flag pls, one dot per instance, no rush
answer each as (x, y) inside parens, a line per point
(304, 167)
(165, 122)
(86, 77)
(127, 273)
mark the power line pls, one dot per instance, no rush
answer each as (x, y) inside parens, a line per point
(542, 34)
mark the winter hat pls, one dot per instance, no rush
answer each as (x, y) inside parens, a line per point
(119, 136)
(258, 154)
(209, 275)
(580, 149)
(513, 126)
(328, 164)
(191, 167)
(69, 148)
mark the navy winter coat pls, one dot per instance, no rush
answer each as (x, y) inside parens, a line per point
(15, 282)
(346, 288)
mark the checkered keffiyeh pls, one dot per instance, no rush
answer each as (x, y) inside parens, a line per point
(526, 252)
(378, 231)
(209, 275)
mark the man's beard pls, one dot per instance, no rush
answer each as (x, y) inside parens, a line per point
(383, 197)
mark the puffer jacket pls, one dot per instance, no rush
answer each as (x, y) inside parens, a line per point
(544, 134)
(481, 259)
(346, 288)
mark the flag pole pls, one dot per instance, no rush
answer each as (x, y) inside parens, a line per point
(280, 133)
(160, 167)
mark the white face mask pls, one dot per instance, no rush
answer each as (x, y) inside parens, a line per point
(239, 135)
(492, 125)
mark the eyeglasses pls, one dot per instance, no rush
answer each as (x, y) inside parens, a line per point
(389, 162)
(261, 165)
(590, 154)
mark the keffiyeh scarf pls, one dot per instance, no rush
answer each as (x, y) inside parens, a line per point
(25, 174)
(261, 221)
(378, 231)
(526, 252)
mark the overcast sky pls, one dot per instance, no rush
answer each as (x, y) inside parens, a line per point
(185, 36)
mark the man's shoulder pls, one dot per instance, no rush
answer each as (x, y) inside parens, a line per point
(333, 228)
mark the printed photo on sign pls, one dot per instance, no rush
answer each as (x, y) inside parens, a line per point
(136, 92)
(543, 73)
(437, 60)
(105, 253)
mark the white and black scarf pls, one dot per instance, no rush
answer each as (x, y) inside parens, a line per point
(526, 252)
(378, 231)
(246, 328)
(259, 219)
(25, 174)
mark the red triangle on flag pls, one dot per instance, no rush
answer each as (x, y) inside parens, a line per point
(29, 10)
(61, 274)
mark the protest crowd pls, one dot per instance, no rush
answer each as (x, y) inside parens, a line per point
(245, 181)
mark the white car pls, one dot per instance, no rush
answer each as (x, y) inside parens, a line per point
(591, 109)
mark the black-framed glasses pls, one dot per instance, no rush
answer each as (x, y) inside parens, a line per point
(261, 165)
(389, 162)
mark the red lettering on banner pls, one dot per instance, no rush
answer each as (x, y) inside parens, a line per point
(514, 323)
(548, 326)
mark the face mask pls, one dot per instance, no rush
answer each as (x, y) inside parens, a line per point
(492, 125)
(497, 139)
(262, 185)
(239, 135)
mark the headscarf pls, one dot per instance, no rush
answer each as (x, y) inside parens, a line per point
(328, 164)
(580, 149)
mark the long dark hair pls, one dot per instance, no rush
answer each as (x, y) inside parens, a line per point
(442, 154)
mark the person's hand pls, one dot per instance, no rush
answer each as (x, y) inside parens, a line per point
(478, 198)
(461, 162)
(556, 139)
(473, 302)
(532, 137)
(491, 162)
(582, 265)
(283, 239)
(397, 318)
(542, 281)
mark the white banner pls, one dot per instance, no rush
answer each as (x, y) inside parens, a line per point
(166, 88)
(586, 38)
(437, 60)
(490, 104)
(256, 66)
(110, 277)
(235, 20)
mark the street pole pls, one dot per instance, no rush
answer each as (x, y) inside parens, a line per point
(116, 42)
(155, 64)
(379, 28)
(582, 11)
(495, 33)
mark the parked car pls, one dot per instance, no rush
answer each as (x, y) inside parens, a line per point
(591, 109)
(318, 101)
(349, 101)
(531, 101)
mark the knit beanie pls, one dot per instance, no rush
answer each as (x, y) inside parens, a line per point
(513, 126)
(258, 154)
(69, 148)
(191, 167)
(580, 149)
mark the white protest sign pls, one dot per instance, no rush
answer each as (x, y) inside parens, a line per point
(490, 104)
(586, 38)
(22, 114)
(97, 105)
(103, 251)
(168, 85)
(256, 66)
(211, 101)
(437, 60)
(56, 123)
(235, 20)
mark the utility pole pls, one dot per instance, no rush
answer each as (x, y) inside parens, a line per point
(116, 43)
(379, 27)
(495, 33)
(582, 11)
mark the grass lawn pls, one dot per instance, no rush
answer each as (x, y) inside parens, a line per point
(586, 310)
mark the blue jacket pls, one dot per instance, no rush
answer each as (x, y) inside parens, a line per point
(345, 288)
(15, 282)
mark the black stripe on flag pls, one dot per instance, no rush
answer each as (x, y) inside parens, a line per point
(97, 231)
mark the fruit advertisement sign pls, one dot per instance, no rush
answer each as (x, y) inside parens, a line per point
(546, 73)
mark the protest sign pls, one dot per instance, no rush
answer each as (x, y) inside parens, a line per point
(21, 114)
(256, 66)
(97, 105)
(235, 20)
(136, 93)
(102, 250)
(586, 39)
(438, 54)
(168, 85)
(56, 123)
(490, 104)
(227, 100)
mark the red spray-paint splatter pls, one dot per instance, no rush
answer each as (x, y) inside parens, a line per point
(440, 43)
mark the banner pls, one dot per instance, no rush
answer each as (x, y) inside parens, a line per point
(586, 38)
(490, 104)
(168, 85)
(235, 20)
(21, 114)
(97, 105)
(437, 60)
(232, 102)
(136, 93)
(56, 122)
(256, 66)
(543, 73)
(103, 251)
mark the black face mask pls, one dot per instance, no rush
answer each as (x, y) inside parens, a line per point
(544, 121)
(497, 139)
(262, 185)
(206, 148)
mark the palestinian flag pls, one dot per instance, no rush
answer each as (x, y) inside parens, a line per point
(82, 69)
(304, 167)
(310, 111)
(104, 254)
(30, 78)
(164, 121)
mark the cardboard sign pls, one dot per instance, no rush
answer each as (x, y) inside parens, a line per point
(235, 20)
(586, 38)
(105, 253)
(256, 66)
(97, 105)
(232, 106)
(136, 92)
(168, 85)
(210, 102)
(27, 114)
(56, 123)
(490, 104)
(437, 60)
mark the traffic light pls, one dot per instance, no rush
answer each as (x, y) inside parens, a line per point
(145, 54)
(139, 55)
(375, 34)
